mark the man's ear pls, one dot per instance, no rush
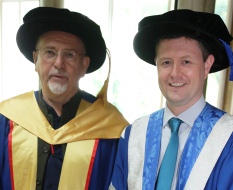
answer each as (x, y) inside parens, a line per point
(35, 57)
(86, 63)
(208, 64)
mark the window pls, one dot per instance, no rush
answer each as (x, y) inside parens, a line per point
(16, 72)
(133, 83)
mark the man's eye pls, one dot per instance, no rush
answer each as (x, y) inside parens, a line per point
(186, 62)
(69, 55)
(50, 53)
(166, 62)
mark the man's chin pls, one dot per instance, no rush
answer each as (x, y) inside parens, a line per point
(57, 88)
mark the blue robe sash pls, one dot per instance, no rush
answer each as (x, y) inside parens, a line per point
(214, 145)
(200, 131)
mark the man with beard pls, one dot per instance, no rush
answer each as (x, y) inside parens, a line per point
(59, 137)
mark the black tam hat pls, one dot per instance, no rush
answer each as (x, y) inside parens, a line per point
(44, 19)
(207, 28)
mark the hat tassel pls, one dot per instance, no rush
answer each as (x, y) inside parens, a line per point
(104, 90)
(230, 57)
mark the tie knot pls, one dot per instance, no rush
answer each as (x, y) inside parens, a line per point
(174, 124)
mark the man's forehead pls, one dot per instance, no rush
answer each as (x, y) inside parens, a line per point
(60, 36)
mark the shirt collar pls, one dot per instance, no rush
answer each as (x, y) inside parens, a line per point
(189, 115)
(69, 109)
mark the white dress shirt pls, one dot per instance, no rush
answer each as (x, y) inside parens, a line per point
(188, 117)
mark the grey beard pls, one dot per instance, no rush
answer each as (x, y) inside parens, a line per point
(57, 88)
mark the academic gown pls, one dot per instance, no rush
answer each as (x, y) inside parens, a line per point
(137, 159)
(90, 138)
